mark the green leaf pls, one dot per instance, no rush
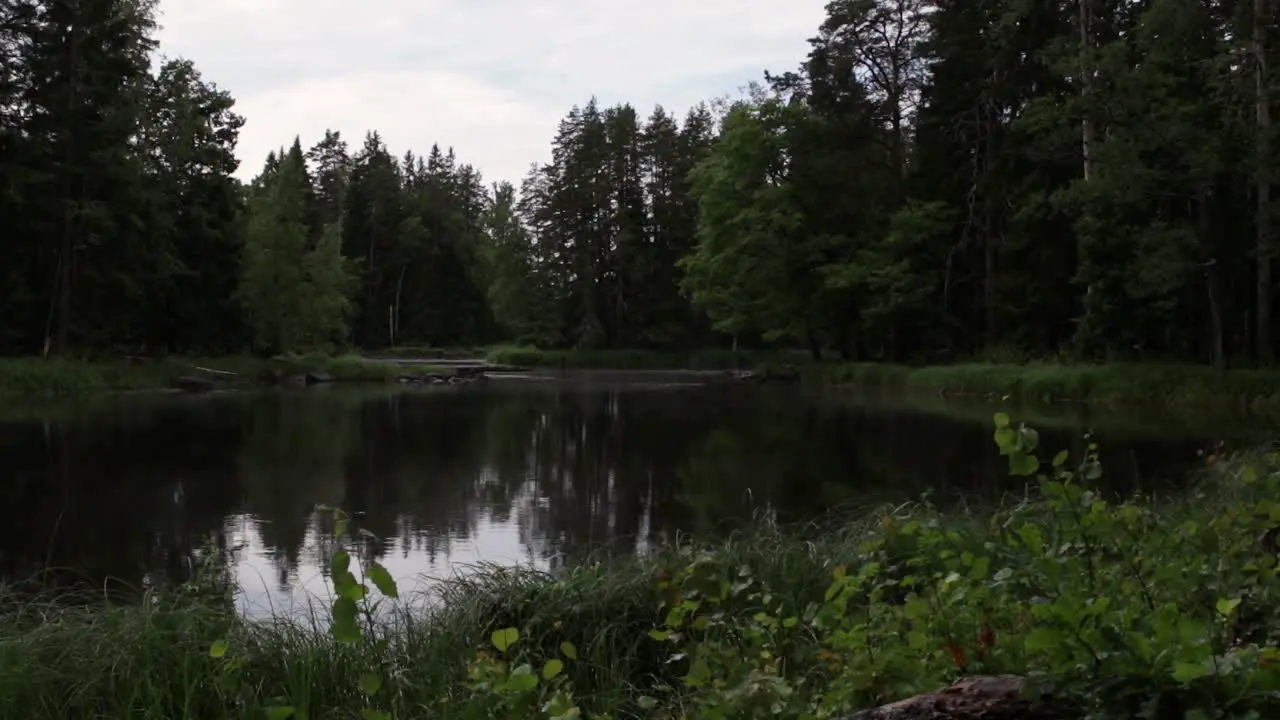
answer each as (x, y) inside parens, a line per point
(505, 638)
(371, 714)
(981, 566)
(1093, 471)
(1185, 672)
(1042, 639)
(1002, 420)
(370, 683)
(1028, 439)
(522, 680)
(280, 712)
(382, 580)
(1004, 438)
(345, 625)
(553, 668)
(699, 673)
(917, 640)
(341, 563)
(1023, 465)
(353, 591)
(569, 650)
(218, 648)
(659, 635)
(1061, 458)
(647, 703)
(1225, 606)
(916, 608)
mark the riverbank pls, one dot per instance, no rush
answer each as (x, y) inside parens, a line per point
(1166, 603)
(56, 377)
(706, 359)
(1168, 386)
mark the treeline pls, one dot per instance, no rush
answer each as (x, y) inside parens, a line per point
(934, 181)
(1090, 178)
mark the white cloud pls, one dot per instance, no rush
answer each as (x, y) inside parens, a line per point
(489, 77)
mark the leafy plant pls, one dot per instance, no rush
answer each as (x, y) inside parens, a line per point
(352, 620)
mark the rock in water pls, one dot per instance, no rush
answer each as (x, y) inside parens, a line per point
(983, 697)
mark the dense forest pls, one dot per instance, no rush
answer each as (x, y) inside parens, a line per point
(933, 181)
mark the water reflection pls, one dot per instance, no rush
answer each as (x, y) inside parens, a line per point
(510, 472)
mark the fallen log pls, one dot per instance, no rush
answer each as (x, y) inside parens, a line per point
(982, 697)
(212, 371)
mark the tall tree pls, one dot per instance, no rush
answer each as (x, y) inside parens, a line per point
(295, 293)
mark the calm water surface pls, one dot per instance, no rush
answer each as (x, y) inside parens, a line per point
(511, 471)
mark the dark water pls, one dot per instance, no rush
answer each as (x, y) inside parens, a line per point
(511, 471)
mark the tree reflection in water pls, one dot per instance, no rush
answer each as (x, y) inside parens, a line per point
(536, 473)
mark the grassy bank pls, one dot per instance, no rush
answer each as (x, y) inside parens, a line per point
(36, 377)
(708, 359)
(1118, 383)
(427, 352)
(1147, 608)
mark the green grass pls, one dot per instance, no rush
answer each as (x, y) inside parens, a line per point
(1166, 385)
(1115, 607)
(57, 377)
(707, 359)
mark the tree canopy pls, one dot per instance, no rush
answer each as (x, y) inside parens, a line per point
(932, 181)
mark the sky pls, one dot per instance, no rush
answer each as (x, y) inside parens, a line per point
(492, 78)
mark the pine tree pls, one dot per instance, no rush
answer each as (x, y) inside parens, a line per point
(296, 294)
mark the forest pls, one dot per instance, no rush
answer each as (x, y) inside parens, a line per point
(931, 182)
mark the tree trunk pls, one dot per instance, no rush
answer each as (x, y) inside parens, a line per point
(815, 347)
(67, 249)
(1086, 87)
(1215, 316)
(1261, 16)
(395, 322)
(1213, 283)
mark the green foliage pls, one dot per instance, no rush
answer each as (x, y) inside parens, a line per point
(296, 294)
(352, 621)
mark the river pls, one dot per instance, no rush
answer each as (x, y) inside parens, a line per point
(123, 489)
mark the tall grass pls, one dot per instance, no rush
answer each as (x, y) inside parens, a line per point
(76, 657)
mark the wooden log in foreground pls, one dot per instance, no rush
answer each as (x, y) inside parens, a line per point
(983, 697)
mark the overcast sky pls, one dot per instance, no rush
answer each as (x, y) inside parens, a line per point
(489, 77)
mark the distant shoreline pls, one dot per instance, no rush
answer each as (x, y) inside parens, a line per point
(61, 378)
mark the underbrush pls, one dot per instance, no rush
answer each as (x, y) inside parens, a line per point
(1147, 607)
